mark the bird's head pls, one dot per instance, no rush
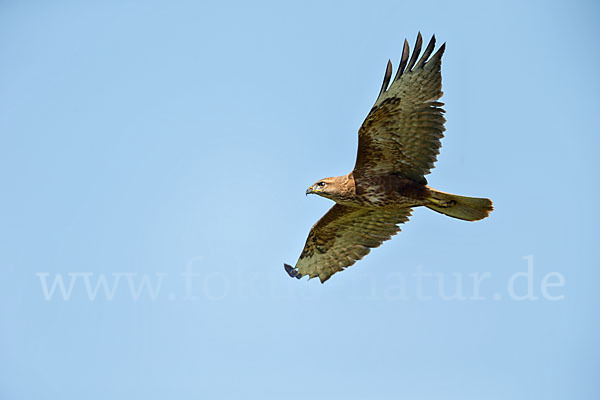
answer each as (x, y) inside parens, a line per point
(324, 187)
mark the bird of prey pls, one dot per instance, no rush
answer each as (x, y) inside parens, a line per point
(398, 144)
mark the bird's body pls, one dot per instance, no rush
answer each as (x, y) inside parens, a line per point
(385, 191)
(398, 144)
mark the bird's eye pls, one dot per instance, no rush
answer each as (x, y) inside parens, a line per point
(321, 184)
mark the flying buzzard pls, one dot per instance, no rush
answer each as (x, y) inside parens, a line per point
(397, 146)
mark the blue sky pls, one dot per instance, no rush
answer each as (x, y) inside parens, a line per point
(170, 144)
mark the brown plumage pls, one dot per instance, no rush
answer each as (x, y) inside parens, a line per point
(398, 145)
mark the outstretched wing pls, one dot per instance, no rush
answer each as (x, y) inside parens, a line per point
(401, 134)
(343, 236)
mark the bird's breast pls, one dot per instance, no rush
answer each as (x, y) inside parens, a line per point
(390, 191)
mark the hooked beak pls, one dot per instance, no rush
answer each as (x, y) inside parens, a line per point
(309, 190)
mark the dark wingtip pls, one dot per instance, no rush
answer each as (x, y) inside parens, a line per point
(291, 271)
(386, 77)
(438, 54)
(416, 52)
(426, 54)
(403, 59)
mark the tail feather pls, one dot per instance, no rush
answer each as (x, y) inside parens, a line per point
(461, 207)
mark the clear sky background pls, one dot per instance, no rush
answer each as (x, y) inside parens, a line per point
(147, 139)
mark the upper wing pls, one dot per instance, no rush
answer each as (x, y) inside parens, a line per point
(343, 236)
(402, 132)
